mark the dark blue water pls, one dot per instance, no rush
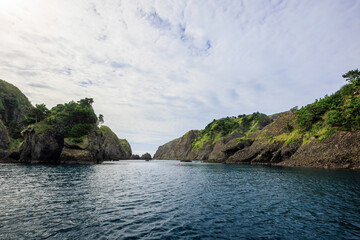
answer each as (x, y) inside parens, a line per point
(159, 199)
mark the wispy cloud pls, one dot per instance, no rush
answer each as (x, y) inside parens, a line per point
(159, 68)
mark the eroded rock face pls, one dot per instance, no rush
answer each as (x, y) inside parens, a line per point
(51, 147)
(179, 148)
(113, 150)
(90, 151)
(341, 150)
(41, 148)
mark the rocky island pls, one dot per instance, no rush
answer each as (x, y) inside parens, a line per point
(325, 133)
(66, 134)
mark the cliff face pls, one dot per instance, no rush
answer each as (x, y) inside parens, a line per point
(41, 147)
(49, 146)
(179, 148)
(89, 151)
(13, 103)
(275, 144)
(114, 148)
(216, 141)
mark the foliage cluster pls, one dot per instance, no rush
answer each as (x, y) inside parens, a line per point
(340, 110)
(74, 119)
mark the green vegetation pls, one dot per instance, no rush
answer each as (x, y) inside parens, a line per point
(125, 145)
(36, 114)
(218, 129)
(339, 111)
(106, 131)
(14, 143)
(14, 105)
(73, 119)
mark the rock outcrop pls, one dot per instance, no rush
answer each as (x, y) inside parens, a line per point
(146, 156)
(89, 151)
(43, 147)
(50, 147)
(114, 148)
(179, 148)
(135, 157)
(43, 139)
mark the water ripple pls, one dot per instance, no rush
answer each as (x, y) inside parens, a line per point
(159, 199)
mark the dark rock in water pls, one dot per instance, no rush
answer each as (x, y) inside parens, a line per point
(185, 161)
(41, 147)
(135, 156)
(49, 146)
(146, 156)
(89, 151)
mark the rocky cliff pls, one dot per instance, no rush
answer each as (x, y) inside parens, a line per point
(216, 141)
(274, 144)
(114, 148)
(66, 134)
(325, 133)
(49, 146)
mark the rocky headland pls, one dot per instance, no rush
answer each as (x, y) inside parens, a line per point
(66, 134)
(325, 134)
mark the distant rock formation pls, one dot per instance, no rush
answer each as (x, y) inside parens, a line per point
(135, 156)
(146, 156)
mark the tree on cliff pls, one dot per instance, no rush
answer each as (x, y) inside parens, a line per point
(86, 101)
(100, 119)
(37, 114)
(353, 77)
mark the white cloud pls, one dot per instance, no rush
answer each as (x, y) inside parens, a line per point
(159, 68)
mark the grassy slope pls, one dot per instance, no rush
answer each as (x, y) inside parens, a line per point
(225, 127)
(319, 120)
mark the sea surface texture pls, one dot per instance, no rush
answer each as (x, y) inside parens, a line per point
(164, 200)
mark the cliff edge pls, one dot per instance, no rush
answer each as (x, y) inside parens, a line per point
(325, 133)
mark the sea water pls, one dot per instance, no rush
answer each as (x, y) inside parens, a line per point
(164, 200)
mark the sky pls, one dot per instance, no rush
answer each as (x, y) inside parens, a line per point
(157, 69)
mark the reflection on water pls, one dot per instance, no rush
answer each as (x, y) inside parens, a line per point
(159, 199)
